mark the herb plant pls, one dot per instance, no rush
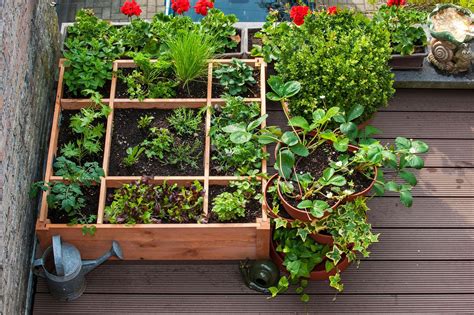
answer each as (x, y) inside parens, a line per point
(145, 202)
(145, 121)
(186, 154)
(232, 205)
(158, 143)
(89, 131)
(402, 22)
(185, 121)
(236, 77)
(234, 140)
(133, 154)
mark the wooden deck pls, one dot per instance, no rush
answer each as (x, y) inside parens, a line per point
(424, 261)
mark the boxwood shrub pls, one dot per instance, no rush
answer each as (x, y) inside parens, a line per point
(340, 60)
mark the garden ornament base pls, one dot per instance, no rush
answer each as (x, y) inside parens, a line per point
(452, 28)
(259, 275)
(62, 267)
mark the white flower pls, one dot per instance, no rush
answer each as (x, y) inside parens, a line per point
(348, 192)
(339, 163)
(412, 150)
(329, 195)
(322, 97)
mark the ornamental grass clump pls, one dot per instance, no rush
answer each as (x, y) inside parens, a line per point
(342, 58)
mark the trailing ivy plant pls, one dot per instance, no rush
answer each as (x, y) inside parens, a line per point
(67, 196)
(234, 140)
(235, 77)
(406, 33)
(89, 130)
(342, 58)
(145, 202)
(233, 205)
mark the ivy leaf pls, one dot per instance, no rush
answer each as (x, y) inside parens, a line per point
(303, 233)
(335, 282)
(329, 265)
(334, 255)
(279, 222)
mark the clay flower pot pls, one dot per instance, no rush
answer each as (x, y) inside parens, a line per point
(366, 191)
(266, 204)
(318, 273)
(322, 238)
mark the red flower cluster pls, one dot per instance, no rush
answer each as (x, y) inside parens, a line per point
(332, 10)
(202, 6)
(297, 14)
(131, 8)
(180, 6)
(395, 2)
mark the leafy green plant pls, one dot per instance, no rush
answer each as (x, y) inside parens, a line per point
(189, 53)
(341, 61)
(229, 129)
(133, 154)
(158, 143)
(89, 131)
(232, 205)
(87, 26)
(145, 121)
(185, 121)
(138, 37)
(145, 202)
(236, 77)
(221, 28)
(186, 154)
(67, 196)
(150, 79)
(401, 22)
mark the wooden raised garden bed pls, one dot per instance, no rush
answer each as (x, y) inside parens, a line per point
(186, 241)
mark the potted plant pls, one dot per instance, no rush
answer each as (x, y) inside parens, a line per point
(407, 36)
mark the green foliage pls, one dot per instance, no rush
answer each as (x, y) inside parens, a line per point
(186, 154)
(282, 91)
(238, 156)
(404, 34)
(232, 205)
(138, 37)
(236, 77)
(145, 202)
(272, 34)
(221, 28)
(150, 79)
(185, 121)
(87, 26)
(145, 121)
(189, 53)
(133, 154)
(88, 130)
(158, 143)
(340, 60)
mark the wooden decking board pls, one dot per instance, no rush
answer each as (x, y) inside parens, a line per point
(430, 212)
(372, 277)
(253, 304)
(427, 125)
(432, 101)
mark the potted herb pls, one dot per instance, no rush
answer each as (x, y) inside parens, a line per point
(407, 36)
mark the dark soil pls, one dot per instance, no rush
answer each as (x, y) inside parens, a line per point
(254, 208)
(281, 210)
(196, 89)
(239, 45)
(252, 40)
(127, 134)
(253, 91)
(318, 161)
(91, 195)
(66, 135)
(104, 91)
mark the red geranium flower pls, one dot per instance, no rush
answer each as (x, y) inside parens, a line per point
(131, 8)
(202, 6)
(332, 10)
(180, 6)
(396, 2)
(298, 13)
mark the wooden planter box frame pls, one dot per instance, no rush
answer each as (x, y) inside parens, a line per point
(212, 241)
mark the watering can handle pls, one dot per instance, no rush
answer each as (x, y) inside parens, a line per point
(36, 270)
(58, 255)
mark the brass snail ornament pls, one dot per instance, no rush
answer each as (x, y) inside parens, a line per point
(259, 275)
(452, 28)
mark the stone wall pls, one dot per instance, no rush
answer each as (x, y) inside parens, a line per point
(30, 41)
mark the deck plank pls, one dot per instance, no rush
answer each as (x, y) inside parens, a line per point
(372, 277)
(253, 304)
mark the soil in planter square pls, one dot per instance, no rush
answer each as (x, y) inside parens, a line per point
(126, 134)
(91, 196)
(252, 40)
(236, 49)
(66, 135)
(253, 211)
(318, 161)
(104, 91)
(196, 89)
(253, 91)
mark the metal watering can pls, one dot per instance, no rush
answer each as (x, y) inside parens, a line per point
(63, 269)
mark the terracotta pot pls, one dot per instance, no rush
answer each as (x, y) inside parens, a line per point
(366, 191)
(318, 273)
(322, 238)
(266, 204)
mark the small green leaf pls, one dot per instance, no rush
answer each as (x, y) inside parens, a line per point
(299, 290)
(402, 143)
(415, 161)
(235, 128)
(305, 204)
(290, 138)
(299, 121)
(273, 97)
(284, 163)
(299, 149)
(348, 128)
(355, 112)
(303, 234)
(409, 177)
(240, 137)
(406, 198)
(254, 124)
(305, 298)
(392, 186)
(419, 147)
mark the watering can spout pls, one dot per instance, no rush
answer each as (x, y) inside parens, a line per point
(89, 265)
